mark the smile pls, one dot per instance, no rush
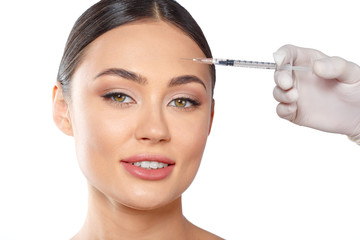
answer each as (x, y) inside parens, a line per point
(148, 167)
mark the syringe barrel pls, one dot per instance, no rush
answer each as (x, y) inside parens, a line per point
(241, 63)
(254, 64)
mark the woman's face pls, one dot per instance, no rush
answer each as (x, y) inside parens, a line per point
(135, 101)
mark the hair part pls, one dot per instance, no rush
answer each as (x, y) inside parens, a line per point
(109, 14)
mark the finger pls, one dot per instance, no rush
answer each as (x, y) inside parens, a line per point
(284, 79)
(282, 96)
(296, 55)
(284, 54)
(287, 54)
(287, 111)
(337, 68)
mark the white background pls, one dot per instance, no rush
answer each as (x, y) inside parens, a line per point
(261, 177)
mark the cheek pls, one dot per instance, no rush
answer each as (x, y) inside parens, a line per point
(189, 138)
(194, 138)
(98, 136)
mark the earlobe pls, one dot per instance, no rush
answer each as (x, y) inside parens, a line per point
(61, 111)
(212, 114)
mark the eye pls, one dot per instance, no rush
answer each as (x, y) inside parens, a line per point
(180, 102)
(183, 103)
(118, 97)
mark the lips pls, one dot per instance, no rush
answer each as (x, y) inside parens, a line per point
(148, 167)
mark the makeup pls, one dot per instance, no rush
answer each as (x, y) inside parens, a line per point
(148, 167)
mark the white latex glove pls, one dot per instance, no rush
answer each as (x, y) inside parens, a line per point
(326, 99)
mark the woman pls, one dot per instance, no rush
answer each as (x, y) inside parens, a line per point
(140, 114)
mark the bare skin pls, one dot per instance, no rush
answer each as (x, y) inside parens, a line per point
(162, 112)
(112, 221)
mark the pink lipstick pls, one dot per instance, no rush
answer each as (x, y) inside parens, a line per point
(148, 167)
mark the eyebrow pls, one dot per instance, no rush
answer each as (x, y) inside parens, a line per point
(119, 72)
(176, 81)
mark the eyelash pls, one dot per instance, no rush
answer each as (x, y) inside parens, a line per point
(112, 95)
(193, 103)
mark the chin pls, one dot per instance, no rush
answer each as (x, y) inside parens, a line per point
(146, 206)
(145, 200)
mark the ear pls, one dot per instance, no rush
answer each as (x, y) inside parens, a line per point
(61, 111)
(212, 114)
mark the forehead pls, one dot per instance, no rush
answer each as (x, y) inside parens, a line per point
(154, 49)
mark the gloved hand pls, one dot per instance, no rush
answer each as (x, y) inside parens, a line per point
(327, 99)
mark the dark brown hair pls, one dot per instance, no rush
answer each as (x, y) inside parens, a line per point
(108, 14)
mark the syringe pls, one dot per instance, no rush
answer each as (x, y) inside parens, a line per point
(249, 64)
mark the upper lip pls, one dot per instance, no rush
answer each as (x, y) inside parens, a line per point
(148, 157)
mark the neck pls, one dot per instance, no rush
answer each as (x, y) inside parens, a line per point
(107, 219)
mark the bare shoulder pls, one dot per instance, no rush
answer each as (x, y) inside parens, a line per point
(197, 233)
(208, 235)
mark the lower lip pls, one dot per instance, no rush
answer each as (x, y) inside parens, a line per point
(148, 174)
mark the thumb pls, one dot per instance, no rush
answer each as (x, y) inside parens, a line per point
(337, 68)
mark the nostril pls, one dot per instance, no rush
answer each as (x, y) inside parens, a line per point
(152, 127)
(154, 140)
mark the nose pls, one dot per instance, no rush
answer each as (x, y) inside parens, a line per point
(152, 126)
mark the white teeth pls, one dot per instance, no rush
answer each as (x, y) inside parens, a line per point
(154, 165)
(162, 165)
(145, 164)
(150, 165)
